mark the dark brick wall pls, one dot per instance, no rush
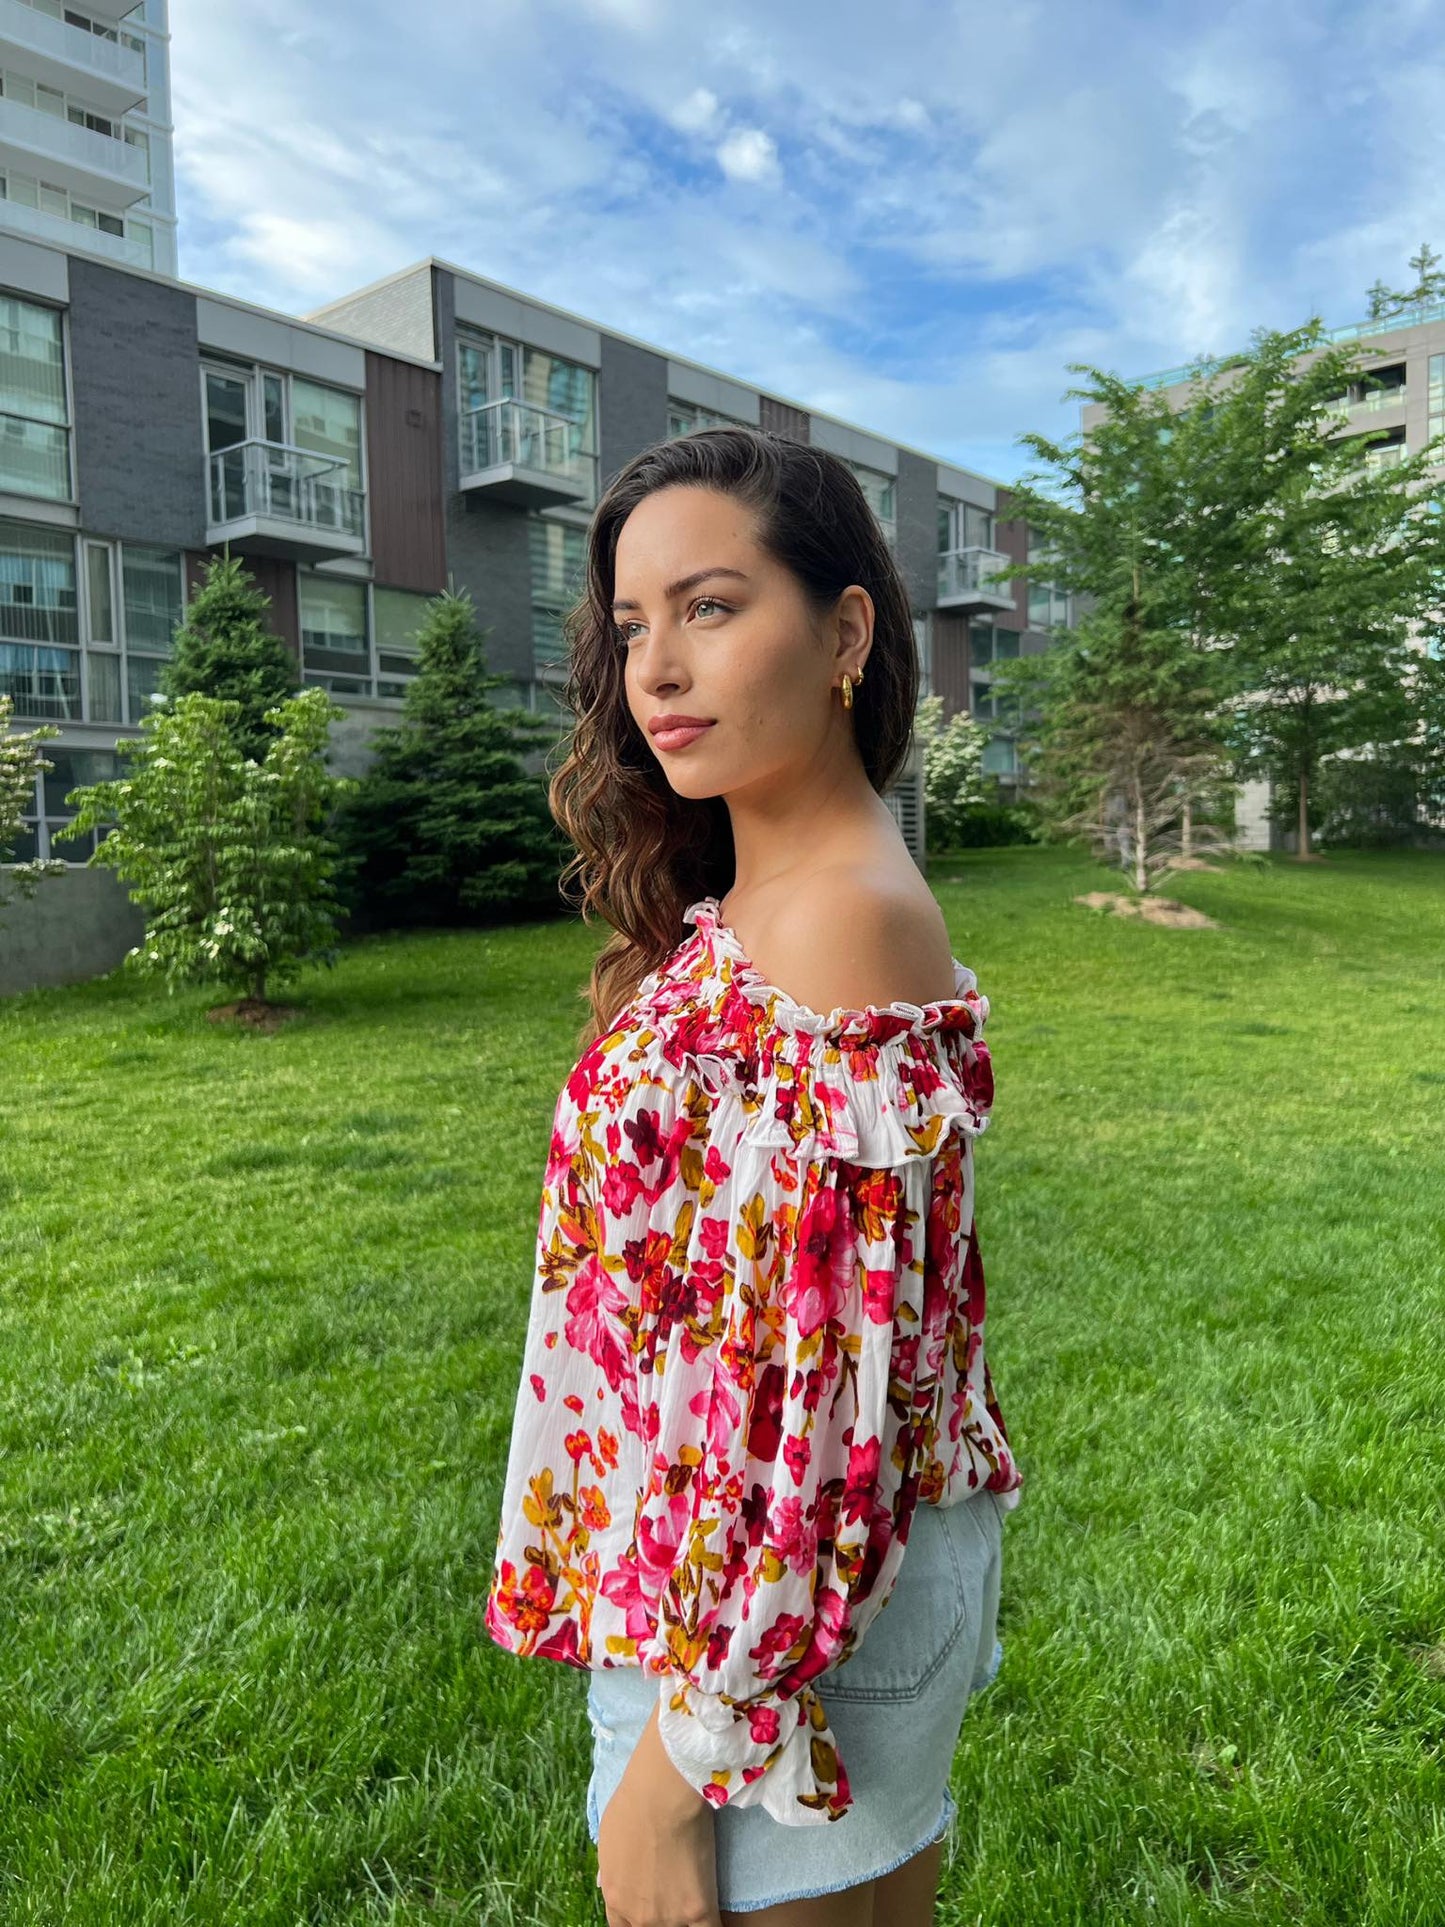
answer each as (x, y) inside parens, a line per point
(632, 403)
(916, 506)
(139, 436)
(488, 550)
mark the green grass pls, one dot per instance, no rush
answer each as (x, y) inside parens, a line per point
(261, 1310)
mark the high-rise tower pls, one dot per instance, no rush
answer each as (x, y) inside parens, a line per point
(85, 128)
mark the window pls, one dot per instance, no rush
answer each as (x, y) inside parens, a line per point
(1437, 396)
(963, 525)
(552, 424)
(50, 813)
(39, 622)
(280, 446)
(153, 596)
(879, 489)
(34, 413)
(1049, 608)
(685, 416)
(335, 646)
(397, 615)
(559, 558)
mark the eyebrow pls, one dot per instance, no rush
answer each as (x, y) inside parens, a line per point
(687, 582)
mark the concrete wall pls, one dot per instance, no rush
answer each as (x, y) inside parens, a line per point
(139, 437)
(76, 926)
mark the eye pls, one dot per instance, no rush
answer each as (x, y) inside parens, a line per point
(622, 628)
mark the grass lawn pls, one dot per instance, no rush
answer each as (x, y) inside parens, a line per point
(262, 1302)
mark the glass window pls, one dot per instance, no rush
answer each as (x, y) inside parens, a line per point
(684, 416)
(397, 614)
(878, 488)
(962, 525)
(151, 582)
(101, 624)
(37, 584)
(103, 668)
(335, 648)
(142, 682)
(559, 559)
(34, 437)
(326, 421)
(1437, 396)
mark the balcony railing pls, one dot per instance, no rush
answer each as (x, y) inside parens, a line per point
(104, 171)
(1369, 404)
(295, 489)
(113, 74)
(522, 451)
(969, 577)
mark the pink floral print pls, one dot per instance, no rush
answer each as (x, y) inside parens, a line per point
(755, 1345)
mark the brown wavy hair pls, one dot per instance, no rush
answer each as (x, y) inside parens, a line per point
(643, 853)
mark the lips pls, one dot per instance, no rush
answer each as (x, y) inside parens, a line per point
(680, 735)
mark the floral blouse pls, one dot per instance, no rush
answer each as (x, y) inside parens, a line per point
(755, 1344)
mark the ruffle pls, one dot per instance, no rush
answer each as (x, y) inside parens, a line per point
(875, 1086)
(966, 1010)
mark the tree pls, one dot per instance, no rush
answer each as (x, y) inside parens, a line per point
(953, 779)
(20, 761)
(1429, 287)
(225, 648)
(446, 826)
(228, 856)
(1256, 589)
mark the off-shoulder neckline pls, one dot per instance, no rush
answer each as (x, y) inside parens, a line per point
(964, 1010)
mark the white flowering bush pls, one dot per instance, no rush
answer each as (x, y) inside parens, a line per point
(229, 857)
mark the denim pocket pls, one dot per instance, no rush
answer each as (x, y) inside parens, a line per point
(909, 1640)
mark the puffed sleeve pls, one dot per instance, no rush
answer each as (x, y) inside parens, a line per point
(787, 1457)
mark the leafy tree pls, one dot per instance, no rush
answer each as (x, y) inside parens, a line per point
(1255, 589)
(953, 781)
(228, 856)
(446, 826)
(1429, 287)
(225, 648)
(20, 759)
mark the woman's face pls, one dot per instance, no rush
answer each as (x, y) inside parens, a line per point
(711, 627)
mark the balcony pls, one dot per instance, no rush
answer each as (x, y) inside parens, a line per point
(967, 580)
(102, 72)
(103, 171)
(112, 10)
(269, 498)
(1385, 455)
(1368, 404)
(59, 232)
(514, 451)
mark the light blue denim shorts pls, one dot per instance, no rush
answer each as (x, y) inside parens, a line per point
(895, 1706)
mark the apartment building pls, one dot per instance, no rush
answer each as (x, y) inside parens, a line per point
(1396, 406)
(434, 429)
(85, 128)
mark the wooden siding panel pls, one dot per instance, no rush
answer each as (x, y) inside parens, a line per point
(950, 662)
(404, 475)
(781, 419)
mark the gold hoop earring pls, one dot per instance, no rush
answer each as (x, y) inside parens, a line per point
(848, 688)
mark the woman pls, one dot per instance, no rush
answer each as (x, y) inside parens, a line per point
(754, 1371)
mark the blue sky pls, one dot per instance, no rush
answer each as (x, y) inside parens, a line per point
(912, 216)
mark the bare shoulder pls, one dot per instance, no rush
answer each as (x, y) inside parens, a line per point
(850, 938)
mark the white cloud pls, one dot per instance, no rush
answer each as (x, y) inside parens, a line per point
(699, 113)
(971, 199)
(748, 155)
